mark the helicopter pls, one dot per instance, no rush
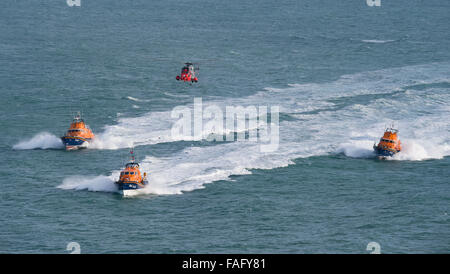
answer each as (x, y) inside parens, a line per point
(188, 73)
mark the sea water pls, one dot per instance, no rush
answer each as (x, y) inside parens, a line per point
(339, 71)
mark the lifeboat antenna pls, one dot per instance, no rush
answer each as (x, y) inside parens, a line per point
(78, 116)
(81, 107)
(132, 154)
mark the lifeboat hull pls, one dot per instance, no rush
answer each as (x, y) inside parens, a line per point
(384, 153)
(127, 189)
(74, 143)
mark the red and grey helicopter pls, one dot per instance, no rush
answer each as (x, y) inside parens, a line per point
(188, 73)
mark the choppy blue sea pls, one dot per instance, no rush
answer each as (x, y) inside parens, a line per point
(339, 71)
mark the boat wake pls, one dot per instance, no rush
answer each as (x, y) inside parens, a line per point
(344, 116)
(93, 183)
(412, 150)
(377, 41)
(43, 140)
(136, 99)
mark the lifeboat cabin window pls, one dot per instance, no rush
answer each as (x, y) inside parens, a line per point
(126, 173)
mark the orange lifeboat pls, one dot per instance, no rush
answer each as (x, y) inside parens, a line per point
(79, 134)
(131, 180)
(389, 144)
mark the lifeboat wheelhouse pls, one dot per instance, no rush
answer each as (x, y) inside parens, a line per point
(79, 135)
(131, 180)
(389, 144)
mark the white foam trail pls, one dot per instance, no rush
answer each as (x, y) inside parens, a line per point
(136, 99)
(196, 166)
(359, 149)
(377, 41)
(418, 150)
(176, 95)
(152, 128)
(43, 140)
(412, 150)
(187, 171)
(155, 127)
(345, 116)
(98, 183)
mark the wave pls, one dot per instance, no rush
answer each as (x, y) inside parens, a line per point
(43, 140)
(418, 150)
(377, 41)
(361, 149)
(152, 128)
(136, 99)
(93, 183)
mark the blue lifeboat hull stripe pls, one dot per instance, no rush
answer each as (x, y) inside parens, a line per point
(74, 141)
(384, 152)
(131, 186)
